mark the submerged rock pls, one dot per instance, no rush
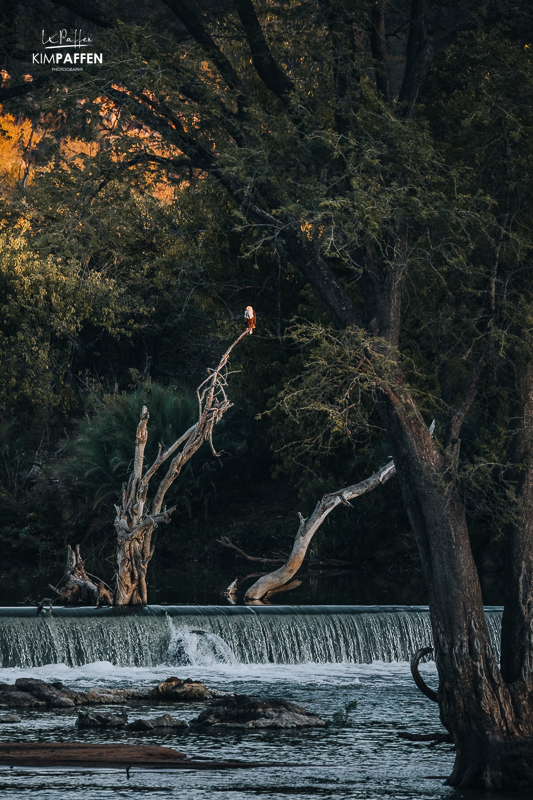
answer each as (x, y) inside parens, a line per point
(11, 698)
(163, 723)
(248, 713)
(5, 719)
(101, 719)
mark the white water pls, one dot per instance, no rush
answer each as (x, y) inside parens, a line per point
(190, 635)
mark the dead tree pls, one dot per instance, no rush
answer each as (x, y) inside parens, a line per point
(274, 581)
(79, 587)
(136, 517)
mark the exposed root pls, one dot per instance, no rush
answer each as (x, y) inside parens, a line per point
(418, 679)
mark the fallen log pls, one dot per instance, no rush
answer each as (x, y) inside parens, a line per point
(265, 586)
(119, 756)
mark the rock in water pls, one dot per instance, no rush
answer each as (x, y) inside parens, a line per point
(141, 725)
(160, 724)
(14, 699)
(167, 721)
(101, 719)
(47, 692)
(248, 713)
(187, 691)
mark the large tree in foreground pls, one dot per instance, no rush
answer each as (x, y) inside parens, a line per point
(314, 119)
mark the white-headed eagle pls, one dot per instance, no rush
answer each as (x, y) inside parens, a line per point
(249, 318)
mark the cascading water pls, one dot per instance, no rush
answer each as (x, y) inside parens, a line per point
(178, 635)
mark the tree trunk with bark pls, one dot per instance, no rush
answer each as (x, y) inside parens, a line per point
(136, 517)
(491, 728)
(517, 623)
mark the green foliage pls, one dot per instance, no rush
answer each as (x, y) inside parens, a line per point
(121, 265)
(46, 303)
(96, 461)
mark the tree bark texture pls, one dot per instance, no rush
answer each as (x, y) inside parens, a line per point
(136, 518)
(517, 625)
(488, 726)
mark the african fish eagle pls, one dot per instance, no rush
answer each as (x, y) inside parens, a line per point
(249, 318)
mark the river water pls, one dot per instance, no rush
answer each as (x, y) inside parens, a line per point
(363, 758)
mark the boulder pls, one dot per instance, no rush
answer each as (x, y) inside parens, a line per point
(101, 719)
(249, 713)
(5, 719)
(141, 725)
(15, 699)
(187, 691)
(47, 692)
(163, 723)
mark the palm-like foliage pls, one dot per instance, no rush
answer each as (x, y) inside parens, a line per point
(99, 457)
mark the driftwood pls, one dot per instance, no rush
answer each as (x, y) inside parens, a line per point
(417, 677)
(270, 583)
(136, 519)
(46, 601)
(80, 587)
(267, 585)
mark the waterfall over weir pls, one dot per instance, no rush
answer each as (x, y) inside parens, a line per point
(179, 635)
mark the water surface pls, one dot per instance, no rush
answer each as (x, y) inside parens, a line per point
(321, 658)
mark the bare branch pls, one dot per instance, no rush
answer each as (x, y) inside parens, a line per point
(226, 543)
(141, 437)
(418, 679)
(266, 585)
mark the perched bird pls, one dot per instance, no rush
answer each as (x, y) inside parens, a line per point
(249, 318)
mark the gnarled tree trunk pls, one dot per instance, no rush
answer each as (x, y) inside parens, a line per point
(136, 518)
